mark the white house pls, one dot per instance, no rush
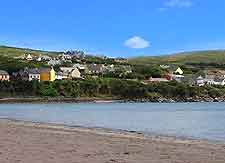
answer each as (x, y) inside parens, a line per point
(39, 59)
(33, 74)
(29, 57)
(179, 71)
(4, 76)
(164, 66)
(178, 78)
(215, 82)
(46, 58)
(80, 66)
(54, 62)
(59, 76)
(200, 81)
(210, 80)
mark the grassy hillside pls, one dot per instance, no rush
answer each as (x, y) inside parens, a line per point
(203, 57)
(15, 52)
(213, 56)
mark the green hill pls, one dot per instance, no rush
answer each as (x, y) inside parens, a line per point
(196, 57)
(15, 52)
(205, 57)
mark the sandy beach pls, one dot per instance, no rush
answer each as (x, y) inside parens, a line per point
(26, 142)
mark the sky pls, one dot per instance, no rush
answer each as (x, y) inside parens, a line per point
(116, 28)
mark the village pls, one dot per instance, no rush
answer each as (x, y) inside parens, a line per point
(63, 67)
(72, 72)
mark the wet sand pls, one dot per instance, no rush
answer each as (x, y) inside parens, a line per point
(26, 142)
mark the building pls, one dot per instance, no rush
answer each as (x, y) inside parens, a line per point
(54, 62)
(72, 72)
(66, 69)
(219, 81)
(212, 77)
(75, 74)
(179, 71)
(109, 68)
(82, 68)
(216, 81)
(216, 73)
(27, 74)
(96, 68)
(4, 76)
(121, 60)
(200, 81)
(165, 66)
(157, 80)
(65, 57)
(20, 75)
(177, 78)
(34, 74)
(62, 75)
(29, 57)
(39, 59)
(59, 76)
(46, 58)
(47, 74)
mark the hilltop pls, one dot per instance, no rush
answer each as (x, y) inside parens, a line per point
(15, 52)
(196, 57)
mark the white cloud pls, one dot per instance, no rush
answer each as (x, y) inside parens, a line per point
(176, 4)
(137, 42)
(179, 3)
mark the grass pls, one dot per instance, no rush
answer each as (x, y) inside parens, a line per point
(213, 56)
(15, 52)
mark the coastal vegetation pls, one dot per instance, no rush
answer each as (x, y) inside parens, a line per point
(109, 87)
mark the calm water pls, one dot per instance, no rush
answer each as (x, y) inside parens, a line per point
(198, 120)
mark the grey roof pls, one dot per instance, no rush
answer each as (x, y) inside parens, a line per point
(2, 72)
(62, 73)
(45, 69)
(200, 78)
(218, 79)
(33, 71)
(95, 67)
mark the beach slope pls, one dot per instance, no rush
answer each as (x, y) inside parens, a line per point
(25, 142)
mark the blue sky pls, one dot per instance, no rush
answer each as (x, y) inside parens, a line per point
(114, 27)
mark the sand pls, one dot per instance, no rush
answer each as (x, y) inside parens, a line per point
(26, 142)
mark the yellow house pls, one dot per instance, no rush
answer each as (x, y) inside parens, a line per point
(47, 74)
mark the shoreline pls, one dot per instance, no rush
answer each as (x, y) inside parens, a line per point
(51, 142)
(58, 100)
(99, 100)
